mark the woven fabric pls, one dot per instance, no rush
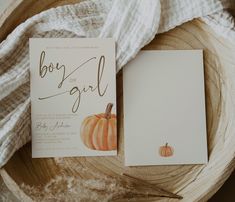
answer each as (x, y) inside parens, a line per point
(133, 24)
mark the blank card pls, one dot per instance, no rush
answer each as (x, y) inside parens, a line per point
(164, 108)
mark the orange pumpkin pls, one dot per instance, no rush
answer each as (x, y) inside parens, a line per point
(166, 151)
(99, 132)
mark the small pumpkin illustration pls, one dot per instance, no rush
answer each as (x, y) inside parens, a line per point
(166, 151)
(99, 132)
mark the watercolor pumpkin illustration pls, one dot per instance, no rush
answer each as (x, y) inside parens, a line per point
(166, 151)
(99, 132)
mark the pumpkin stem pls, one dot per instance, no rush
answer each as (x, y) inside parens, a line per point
(108, 111)
(166, 144)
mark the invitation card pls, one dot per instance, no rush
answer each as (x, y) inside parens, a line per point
(73, 97)
(164, 108)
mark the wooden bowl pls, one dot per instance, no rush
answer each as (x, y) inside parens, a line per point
(93, 178)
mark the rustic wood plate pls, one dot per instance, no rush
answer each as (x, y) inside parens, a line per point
(101, 178)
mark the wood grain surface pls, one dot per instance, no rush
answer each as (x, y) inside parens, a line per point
(106, 178)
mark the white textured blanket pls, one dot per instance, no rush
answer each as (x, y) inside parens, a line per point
(132, 23)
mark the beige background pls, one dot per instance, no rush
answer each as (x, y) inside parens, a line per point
(226, 193)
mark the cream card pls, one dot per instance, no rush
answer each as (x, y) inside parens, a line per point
(73, 97)
(164, 108)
